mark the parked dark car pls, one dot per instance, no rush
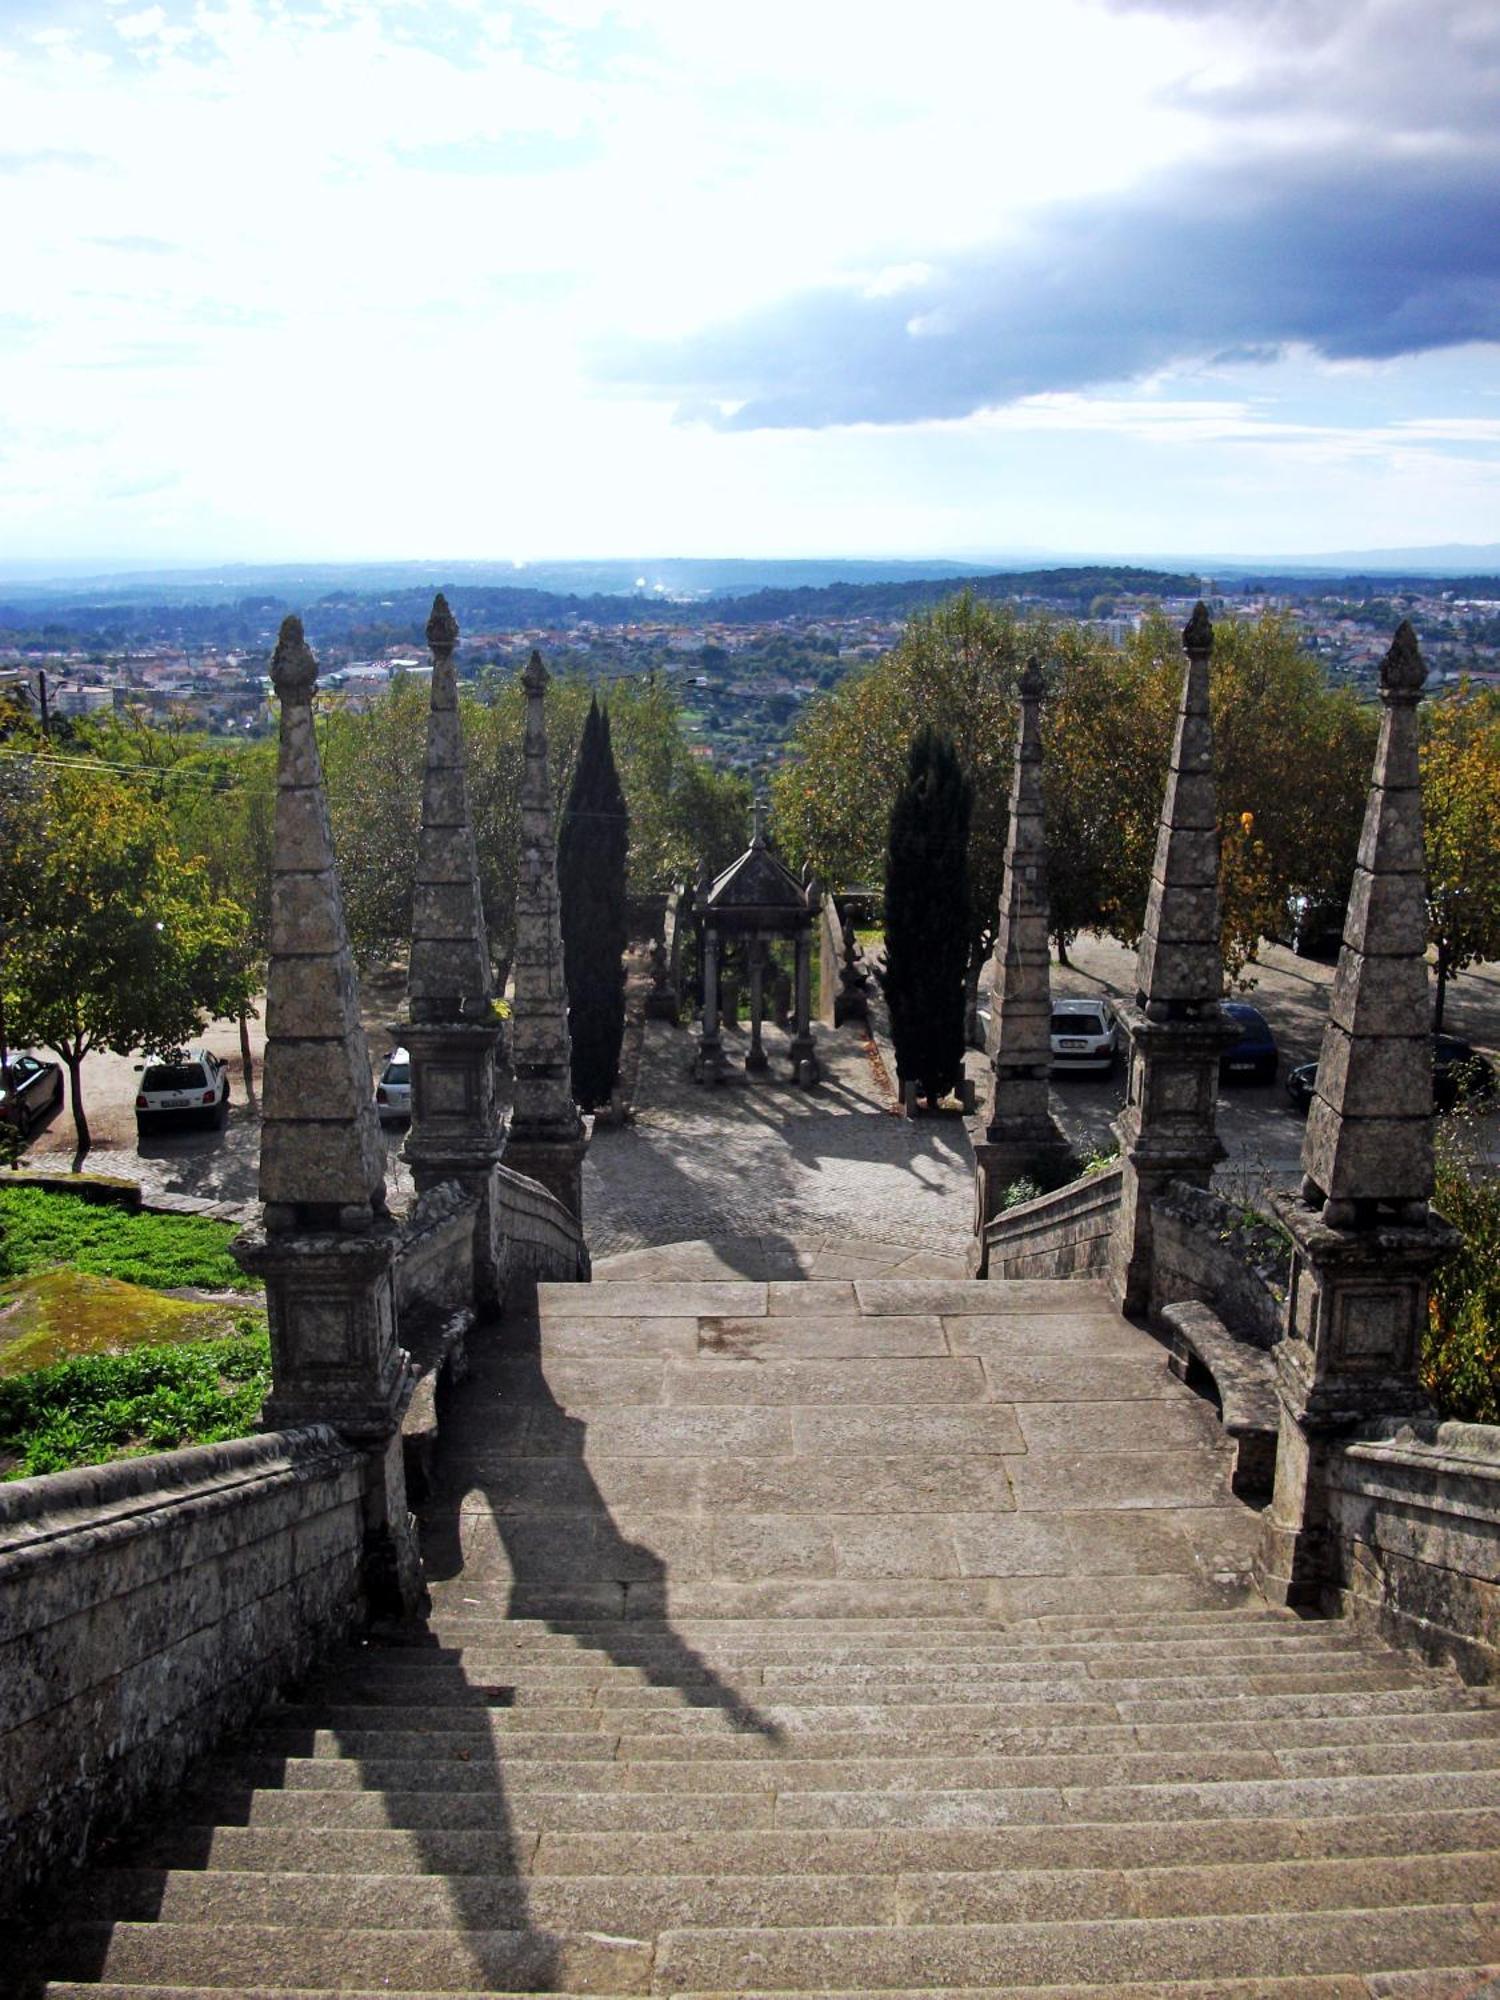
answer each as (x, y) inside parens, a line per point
(1459, 1073)
(36, 1087)
(1252, 1056)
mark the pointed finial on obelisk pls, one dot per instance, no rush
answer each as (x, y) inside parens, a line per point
(322, 1163)
(1179, 967)
(442, 628)
(1369, 1130)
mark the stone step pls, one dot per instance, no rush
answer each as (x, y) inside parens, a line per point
(1082, 1844)
(706, 1803)
(379, 1765)
(628, 1695)
(837, 1733)
(235, 1958)
(631, 1644)
(787, 1776)
(1439, 1983)
(861, 1958)
(830, 1598)
(394, 1683)
(485, 1661)
(945, 1956)
(1434, 1983)
(1164, 1623)
(635, 1903)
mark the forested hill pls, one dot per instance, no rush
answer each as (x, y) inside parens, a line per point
(399, 615)
(1070, 589)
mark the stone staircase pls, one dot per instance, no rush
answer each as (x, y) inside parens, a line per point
(848, 1636)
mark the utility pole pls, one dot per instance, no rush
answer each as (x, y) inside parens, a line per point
(41, 682)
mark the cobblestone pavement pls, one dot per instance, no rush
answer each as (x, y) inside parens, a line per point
(771, 1164)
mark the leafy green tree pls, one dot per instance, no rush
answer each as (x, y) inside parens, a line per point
(120, 943)
(927, 915)
(225, 815)
(1461, 830)
(956, 665)
(592, 850)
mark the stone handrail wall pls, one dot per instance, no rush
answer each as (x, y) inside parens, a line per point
(543, 1239)
(1065, 1234)
(150, 1605)
(1204, 1248)
(435, 1260)
(1414, 1528)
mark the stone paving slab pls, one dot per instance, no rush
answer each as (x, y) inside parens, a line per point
(637, 1299)
(845, 1336)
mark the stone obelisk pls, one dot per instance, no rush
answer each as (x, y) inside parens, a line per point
(452, 1032)
(1014, 1134)
(1365, 1239)
(326, 1247)
(1167, 1129)
(547, 1137)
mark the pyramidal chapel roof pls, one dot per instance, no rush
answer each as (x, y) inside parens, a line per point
(759, 881)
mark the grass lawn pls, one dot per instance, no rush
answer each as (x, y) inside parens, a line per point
(97, 1361)
(40, 1230)
(104, 1406)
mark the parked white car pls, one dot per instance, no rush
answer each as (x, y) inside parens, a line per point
(393, 1092)
(187, 1084)
(1084, 1034)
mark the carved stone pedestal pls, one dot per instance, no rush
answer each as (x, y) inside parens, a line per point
(1166, 1132)
(1356, 1307)
(1030, 1149)
(455, 1133)
(557, 1164)
(335, 1359)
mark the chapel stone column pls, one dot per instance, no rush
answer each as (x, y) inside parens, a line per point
(756, 1060)
(452, 1033)
(802, 1049)
(326, 1247)
(1015, 1133)
(708, 1066)
(1365, 1239)
(547, 1138)
(1177, 1031)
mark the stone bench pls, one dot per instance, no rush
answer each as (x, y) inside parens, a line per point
(1243, 1380)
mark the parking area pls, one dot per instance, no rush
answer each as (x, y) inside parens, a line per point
(1261, 1130)
(1260, 1127)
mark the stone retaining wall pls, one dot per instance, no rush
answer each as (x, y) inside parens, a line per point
(148, 1606)
(1065, 1234)
(1203, 1248)
(1414, 1517)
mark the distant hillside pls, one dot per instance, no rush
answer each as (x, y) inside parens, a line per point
(1071, 589)
(397, 615)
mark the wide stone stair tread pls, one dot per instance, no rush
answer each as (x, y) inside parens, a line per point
(632, 1755)
(868, 1957)
(1438, 1983)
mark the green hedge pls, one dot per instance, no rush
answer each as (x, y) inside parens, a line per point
(1461, 1355)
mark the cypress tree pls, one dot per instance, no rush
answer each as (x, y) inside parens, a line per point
(592, 849)
(927, 915)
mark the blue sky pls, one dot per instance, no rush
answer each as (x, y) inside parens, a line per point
(291, 279)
